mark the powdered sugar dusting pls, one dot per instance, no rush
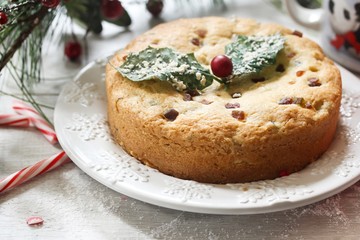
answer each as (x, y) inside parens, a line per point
(76, 201)
(251, 53)
(330, 208)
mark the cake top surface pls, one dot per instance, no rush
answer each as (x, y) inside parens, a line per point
(302, 87)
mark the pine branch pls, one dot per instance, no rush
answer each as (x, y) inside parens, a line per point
(22, 37)
(25, 91)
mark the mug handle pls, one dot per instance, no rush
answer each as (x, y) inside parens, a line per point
(310, 18)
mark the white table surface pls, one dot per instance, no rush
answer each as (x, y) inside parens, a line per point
(74, 206)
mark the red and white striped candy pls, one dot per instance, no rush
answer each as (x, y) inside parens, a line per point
(26, 116)
(36, 119)
(14, 120)
(28, 173)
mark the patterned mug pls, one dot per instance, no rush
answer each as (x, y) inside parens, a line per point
(339, 23)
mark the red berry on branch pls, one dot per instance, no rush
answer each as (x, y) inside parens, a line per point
(155, 7)
(50, 3)
(3, 18)
(112, 9)
(221, 66)
(72, 50)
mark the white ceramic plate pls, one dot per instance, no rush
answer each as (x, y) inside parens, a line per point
(80, 122)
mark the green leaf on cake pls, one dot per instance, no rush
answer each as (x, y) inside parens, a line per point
(250, 54)
(183, 71)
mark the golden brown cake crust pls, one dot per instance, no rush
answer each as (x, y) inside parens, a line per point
(206, 143)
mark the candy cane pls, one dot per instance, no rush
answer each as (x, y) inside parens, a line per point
(26, 116)
(36, 119)
(14, 120)
(30, 172)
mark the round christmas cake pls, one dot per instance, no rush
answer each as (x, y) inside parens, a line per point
(220, 100)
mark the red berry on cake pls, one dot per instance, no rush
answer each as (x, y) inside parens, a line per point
(221, 66)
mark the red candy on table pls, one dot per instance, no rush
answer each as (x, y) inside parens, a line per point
(31, 221)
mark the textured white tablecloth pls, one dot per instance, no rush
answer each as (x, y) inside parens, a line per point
(74, 206)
